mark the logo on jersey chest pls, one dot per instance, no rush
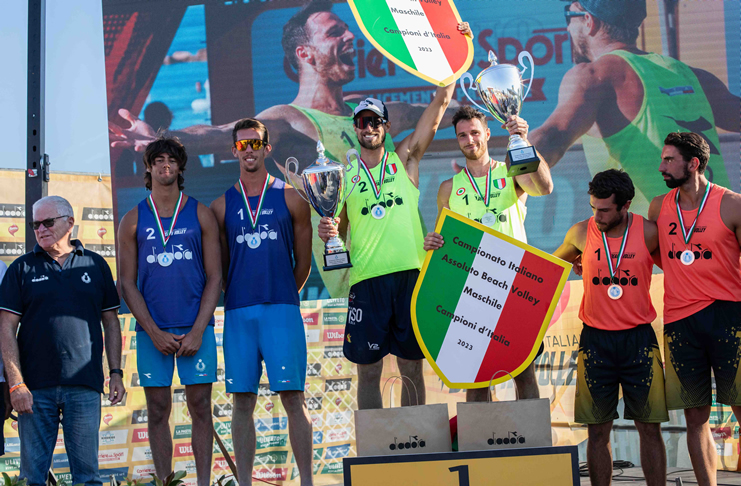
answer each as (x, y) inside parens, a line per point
(253, 239)
(379, 209)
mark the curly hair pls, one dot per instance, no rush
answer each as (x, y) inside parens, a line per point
(468, 113)
(609, 182)
(165, 145)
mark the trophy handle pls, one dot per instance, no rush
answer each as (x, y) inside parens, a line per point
(529, 57)
(293, 176)
(471, 86)
(350, 167)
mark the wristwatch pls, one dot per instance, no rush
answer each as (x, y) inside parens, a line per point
(117, 371)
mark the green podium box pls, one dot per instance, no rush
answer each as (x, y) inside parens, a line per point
(537, 466)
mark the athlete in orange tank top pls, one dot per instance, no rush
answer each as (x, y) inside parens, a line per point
(699, 225)
(617, 346)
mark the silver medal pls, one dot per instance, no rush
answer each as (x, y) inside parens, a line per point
(687, 257)
(378, 212)
(253, 240)
(165, 259)
(489, 219)
(614, 291)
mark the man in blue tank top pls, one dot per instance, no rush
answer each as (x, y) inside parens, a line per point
(265, 231)
(170, 274)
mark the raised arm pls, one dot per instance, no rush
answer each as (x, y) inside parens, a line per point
(725, 104)
(579, 100)
(302, 232)
(538, 183)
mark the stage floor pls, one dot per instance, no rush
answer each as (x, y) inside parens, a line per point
(634, 476)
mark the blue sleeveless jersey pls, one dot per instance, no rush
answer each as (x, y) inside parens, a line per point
(260, 260)
(172, 294)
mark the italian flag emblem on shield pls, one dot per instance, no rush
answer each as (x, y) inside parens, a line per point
(499, 183)
(420, 36)
(391, 170)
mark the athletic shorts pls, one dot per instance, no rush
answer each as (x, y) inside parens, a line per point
(630, 359)
(379, 319)
(708, 339)
(273, 333)
(156, 369)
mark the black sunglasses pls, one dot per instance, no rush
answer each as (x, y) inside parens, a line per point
(48, 223)
(362, 122)
(572, 13)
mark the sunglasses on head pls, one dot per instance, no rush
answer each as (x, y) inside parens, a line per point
(48, 223)
(255, 143)
(374, 121)
(572, 13)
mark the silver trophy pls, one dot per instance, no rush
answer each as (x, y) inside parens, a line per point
(501, 89)
(323, 183)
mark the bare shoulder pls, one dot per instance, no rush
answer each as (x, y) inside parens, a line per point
(218, 206)
(129, 222)
(281, 117)
(577, 234)
(446, 187)
(654, 209)
(730, 207)
(205, 214)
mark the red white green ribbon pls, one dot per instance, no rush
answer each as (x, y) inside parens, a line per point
(487, 195)
(687, 235)
(376, 187)
(254, 215)
(157, 218)
(608, 255)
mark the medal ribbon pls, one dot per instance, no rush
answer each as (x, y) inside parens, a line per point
(613, 270)
(376, 187)
(486, 196)
(687, 235)
(254, 216)
(161, 228)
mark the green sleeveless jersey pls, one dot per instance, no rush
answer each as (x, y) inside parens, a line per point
(338, 136)
(506, 211)
(673, 101)
(387, 234)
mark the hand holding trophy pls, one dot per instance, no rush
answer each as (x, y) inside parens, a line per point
(321, 185)
(500, 88)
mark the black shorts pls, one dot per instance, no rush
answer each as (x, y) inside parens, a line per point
(708, 339)
(379, 319)
(609, 359)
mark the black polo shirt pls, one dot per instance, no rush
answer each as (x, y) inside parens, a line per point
(60, 337)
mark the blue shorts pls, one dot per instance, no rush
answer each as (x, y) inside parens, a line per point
(273, 333)
(156, 369)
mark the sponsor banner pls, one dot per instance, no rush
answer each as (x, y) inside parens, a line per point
(187, 466)
(339, 435)
(269, 441)
(113, 456)
(182, 432)
(334, 335)
(182, 449)
(310, 318)
(339, 418)
(113, 437)
(144, 472)
(141, 454)
(277, 474)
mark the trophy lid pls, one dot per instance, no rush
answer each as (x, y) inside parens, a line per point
(322, 163)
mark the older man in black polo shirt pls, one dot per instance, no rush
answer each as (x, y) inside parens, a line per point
(60, 292)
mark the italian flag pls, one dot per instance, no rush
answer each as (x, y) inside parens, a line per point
(391, 169)
(499, 183)
(421, 36)
(493, 305)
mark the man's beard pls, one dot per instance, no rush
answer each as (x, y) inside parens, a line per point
(674, 182)
(477, 154)
(579, 51)
(610, 225)
(372, 146)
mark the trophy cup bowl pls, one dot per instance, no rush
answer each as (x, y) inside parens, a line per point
(501, 89)
(321, 185)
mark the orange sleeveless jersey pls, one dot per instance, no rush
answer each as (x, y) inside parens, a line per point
(716, 271)
(634, 307)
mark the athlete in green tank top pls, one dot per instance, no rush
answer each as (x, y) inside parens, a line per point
(502, 211)
(673, 101)
(338, 136)
(385, 202)
(483, 192)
